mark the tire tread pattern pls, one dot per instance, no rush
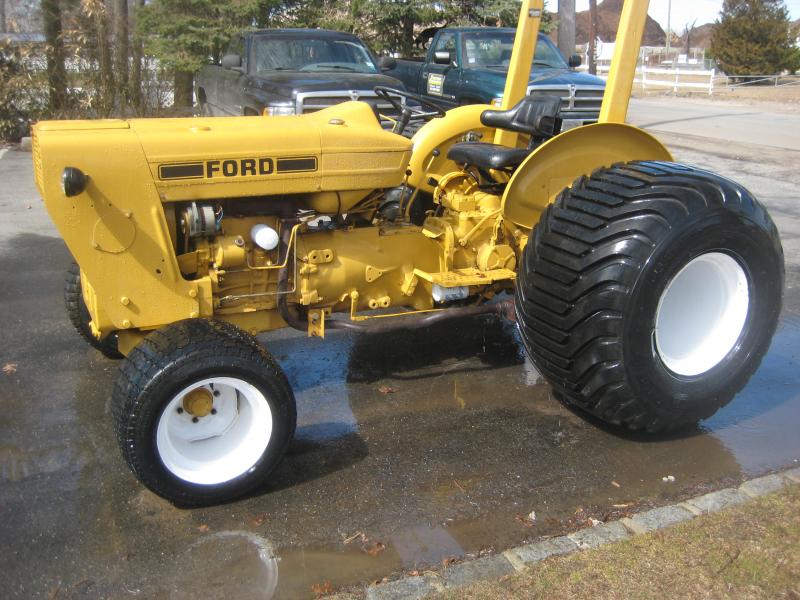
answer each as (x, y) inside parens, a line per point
(182, 344)
(582, 262)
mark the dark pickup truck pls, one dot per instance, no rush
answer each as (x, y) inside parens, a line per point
(468, 65)
(290, 71)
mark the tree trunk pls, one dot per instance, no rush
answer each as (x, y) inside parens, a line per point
(136, 92)
(56, 72)
(183, 89)
(3, 16)
(592, 37)
(121, 66)
(106, 66)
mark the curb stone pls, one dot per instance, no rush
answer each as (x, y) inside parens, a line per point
(488, 567)
(657, 518)
(763, 485)
(407, 588)
(523, 557)
(592, 537)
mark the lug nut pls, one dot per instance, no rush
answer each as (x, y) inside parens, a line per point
(195, 420)
(213, 411)
(216, 392)
(180, 410)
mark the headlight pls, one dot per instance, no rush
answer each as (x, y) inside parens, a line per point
(497, 102)
(279, 110)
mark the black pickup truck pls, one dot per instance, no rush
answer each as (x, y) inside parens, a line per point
(291, 71)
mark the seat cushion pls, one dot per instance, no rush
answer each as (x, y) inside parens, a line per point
(487, 156)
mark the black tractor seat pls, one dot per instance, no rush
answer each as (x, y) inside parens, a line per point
(536, 116)
(487, 156)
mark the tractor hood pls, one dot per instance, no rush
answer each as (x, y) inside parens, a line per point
(342, 148)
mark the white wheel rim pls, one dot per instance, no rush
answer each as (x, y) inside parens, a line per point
(218, 447)
(701, 314)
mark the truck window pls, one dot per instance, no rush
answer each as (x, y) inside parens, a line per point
(283, 53)
(236, 46)
(492, 50)
(446, 43)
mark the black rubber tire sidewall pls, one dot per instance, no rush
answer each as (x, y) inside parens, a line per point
(80, 318)
(688, 399)
(137, 410)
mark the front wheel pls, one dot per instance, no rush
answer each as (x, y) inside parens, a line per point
(81, 319)
(202, 413)
(649, 293)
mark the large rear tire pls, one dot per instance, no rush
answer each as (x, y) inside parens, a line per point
(202, 413)
(80, 318)
(649, 293)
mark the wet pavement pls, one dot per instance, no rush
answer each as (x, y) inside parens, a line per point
(412, 447)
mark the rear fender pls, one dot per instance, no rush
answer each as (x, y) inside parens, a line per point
(558, 162)
(433, 140)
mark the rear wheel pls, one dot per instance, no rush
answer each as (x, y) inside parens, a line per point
(202, 412)
(80, 318)
(649, 293)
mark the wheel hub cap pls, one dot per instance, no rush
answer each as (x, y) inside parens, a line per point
(198, 402)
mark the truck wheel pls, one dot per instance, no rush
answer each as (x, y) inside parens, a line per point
(79, 315)
(649, 293)
(202, 412)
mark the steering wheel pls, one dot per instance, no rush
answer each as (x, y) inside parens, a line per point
(408, 113)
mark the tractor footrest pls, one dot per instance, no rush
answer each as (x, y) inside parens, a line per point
(466, 277)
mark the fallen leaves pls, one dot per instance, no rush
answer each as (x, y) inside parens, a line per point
(528, 520)
(615, 484)
(10, 368)
(449, 560)
(204, 528)
(373, 549)
(259, 520)
(323, 588)
(387, 389)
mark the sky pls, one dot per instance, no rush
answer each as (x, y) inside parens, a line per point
(686, 11)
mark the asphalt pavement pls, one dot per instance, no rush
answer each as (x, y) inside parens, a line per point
(412, 447)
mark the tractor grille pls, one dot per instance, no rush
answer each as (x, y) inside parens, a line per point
(577, 102)
(36, 151)
(308, 102)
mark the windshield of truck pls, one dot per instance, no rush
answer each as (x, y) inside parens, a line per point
(281, 53)
(492, 50)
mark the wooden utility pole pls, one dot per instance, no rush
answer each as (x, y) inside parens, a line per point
(593, 37)
(566, 27)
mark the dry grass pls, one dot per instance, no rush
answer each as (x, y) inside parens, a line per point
(750, 551)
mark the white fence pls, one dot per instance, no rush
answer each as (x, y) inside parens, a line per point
(659, 78)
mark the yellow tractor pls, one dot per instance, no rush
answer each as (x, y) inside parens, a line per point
(645, 291)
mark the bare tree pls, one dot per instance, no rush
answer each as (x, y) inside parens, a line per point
(56, 71)
(121, 66)
(688, 37)
(136, 63)
(104, 57)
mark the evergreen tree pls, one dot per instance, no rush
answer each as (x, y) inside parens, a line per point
(184, 34)
(753, 37)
